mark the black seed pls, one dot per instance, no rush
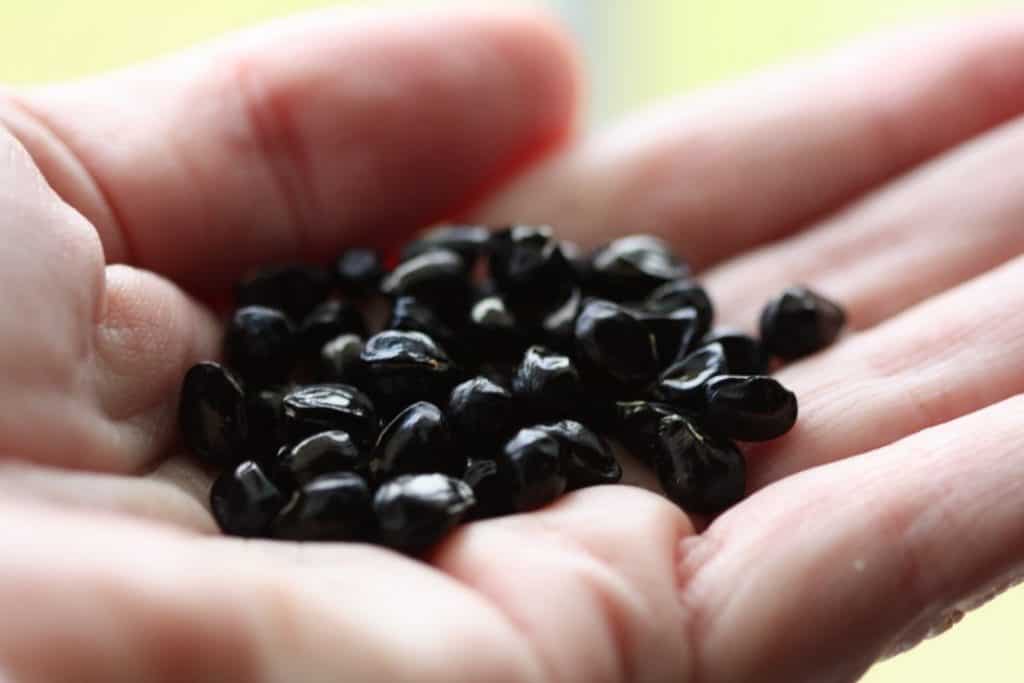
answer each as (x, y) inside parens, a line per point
(744, 354)
(482, 414)
(260, 345)
(674, 332)
(557, 324)
(244, 501)
(295, 289)
(414, 512)
(403, 367)
(548, 384)
(409, 314)
(416, 441)
(323, 453)
(701, 473)
(264, 415)
(636, 426)
(682, 384)
(531, 469)
(492, 495)
(332, 507)
(672, 296)
(614, 348)
(340, 359)
(324, 407)
(750, 408)
(212, 414)
(494, 332)
(468, 241)
(438, 277)
(800, 322)
(530, 270)
(587, 459)
(328, 321)
(632, 267)
(358, 272)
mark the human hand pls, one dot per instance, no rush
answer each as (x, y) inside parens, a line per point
(885, 177)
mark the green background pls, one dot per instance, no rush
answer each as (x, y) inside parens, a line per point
(638, 51)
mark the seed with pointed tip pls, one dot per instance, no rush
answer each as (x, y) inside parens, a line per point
(674, 332)
(548, 384)
(750, 408)
(613, 346)
(244, 501)
(686, 293)
(682, 384)
(414, 512)
(482, 414)
(531, 468)
(701, 473)
(530, 269)
(212, 414)
(800, 322)
(332, 507)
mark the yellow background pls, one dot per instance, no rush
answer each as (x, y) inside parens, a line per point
(647, 49)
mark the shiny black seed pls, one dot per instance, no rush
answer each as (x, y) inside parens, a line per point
(492, 495)
(417, 441)
(750, 408)
(744, 354)
(482, 414)
(530, 270)
(682, 384)
(613, 346)
(244, 501)
(332, 507)
(414, 512)
(400, 368)
(530, 467)
(409, 314)
(672, 296)
(494, 332)
(468, 241)
(548, 384)
(212, 414)
(324, 407)
(295, 289)
(260, 345)
(264, 415)
(800, 322)
(632, 267)
(674, 332)
(701, 473)
(323, 453)
(636, 426)
(587, 459)
(557, 324)
(358, 271)
(439, 278)
(328, 321)
(339, 359)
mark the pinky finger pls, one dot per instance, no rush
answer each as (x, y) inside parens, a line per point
(868, 556)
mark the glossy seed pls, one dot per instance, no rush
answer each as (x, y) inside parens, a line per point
(339, 359)
(531, 469)
(482, 414)
(409, 314)
(682, 385)
(587, 459)
(332, 507)
(468, 241)
(260, 345)
(744, 354)
(212, 414)
(358, 271)
(328, 321)
(438, 277)
(750, 408)
(613, 346)
(548, 385)
(414, 512)
(403, 367)
(530, 270)
(632, 267)
(558, 323)
(636, 426)
(319, 408)
(700, 473)
(265, 417)
(494, 332)
(244, 501)
(416, 441)
(800, 322)
(674, 332)
(294, 289)
(492, 495)
(678, 294)
(323, 453)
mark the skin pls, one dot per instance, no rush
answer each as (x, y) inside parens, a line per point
(885, 176)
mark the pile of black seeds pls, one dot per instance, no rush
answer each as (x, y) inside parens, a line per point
(507, 361)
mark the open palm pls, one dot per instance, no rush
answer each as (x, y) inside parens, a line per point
(888, 177)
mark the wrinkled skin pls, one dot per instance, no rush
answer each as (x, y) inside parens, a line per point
(887, 177)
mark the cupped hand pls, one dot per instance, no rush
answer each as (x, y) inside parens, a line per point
(887, 176)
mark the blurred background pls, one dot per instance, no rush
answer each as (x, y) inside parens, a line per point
(635, 51)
